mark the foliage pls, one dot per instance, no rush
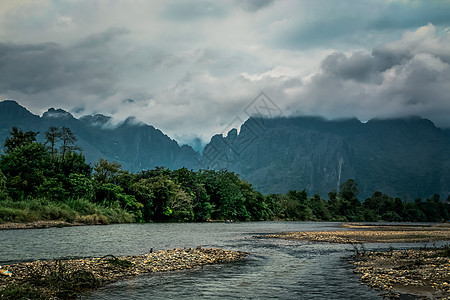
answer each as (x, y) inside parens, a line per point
(19, 138)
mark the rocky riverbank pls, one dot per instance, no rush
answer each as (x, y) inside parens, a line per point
(423, 273)
(365, 233)
(62, 279)
(37, 225)
(406, 274)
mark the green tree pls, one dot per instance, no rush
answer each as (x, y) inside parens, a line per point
(273, 202)
(112, 195)
(319, 208)
(80, 186)
(19, 138)
(52, 137)
(107, 172)
(349, 206)
(169, 202)
(75, 163)
(25, 168)
(2, 186)
(297, 205)
(68, 140)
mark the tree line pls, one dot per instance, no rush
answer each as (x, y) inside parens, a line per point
(55, 177)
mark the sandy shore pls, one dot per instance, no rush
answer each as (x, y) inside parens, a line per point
(409, 274)
(67, 278)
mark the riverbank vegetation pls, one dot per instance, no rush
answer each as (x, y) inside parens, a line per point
(52, 181)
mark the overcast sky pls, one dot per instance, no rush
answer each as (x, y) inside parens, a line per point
(191, 68)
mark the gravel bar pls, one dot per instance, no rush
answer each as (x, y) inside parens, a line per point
(423, 273)
(67, 278)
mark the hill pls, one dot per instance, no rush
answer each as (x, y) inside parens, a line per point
(135, 145)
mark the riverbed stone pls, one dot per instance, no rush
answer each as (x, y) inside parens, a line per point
(110, 268)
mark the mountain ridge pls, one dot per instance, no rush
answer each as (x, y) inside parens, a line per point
(133, 144)
(403, 157)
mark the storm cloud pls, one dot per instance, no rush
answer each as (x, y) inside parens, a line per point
(191, 67)
(403, 78)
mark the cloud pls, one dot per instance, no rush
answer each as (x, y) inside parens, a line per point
(38, 68)
(340, 24)
(194, 11)
(191, 68)
(406, 77)
(254, 5)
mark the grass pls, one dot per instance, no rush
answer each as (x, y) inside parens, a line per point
(71, 210)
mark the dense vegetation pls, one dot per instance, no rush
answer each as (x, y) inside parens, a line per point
(52, 181)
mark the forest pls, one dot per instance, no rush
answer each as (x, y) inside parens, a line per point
(53, 181)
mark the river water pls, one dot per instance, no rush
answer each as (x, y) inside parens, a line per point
(275, 268)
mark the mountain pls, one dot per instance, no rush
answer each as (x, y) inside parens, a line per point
(135, 145)
(407, 158)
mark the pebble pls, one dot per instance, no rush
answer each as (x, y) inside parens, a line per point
(106, 272)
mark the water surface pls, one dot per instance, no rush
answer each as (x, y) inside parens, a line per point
(275, 268)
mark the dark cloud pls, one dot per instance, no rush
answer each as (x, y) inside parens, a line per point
(89, 66)
(407, 77)
(339, 24)
(359, 66)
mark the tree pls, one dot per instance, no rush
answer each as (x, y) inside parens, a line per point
(25, 168)
(2, 185)
(297, 207)
(68, 140)
(52, 136)
(348, 195)
(319, 208)
(163, 199)
(75, 163)
(19, 138)
(107, 172)
(349, 191)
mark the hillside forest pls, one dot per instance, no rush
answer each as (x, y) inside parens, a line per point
(52, 181)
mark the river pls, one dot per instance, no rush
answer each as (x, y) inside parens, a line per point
(275, 268)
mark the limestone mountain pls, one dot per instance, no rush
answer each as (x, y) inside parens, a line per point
(405, 158)
(137, 146)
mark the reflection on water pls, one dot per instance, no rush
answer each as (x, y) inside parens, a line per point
(274, 269)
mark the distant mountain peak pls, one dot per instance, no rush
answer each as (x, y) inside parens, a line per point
(57, 113)
(133, 121)
(10, 102)
(12, 105)
(97, 120)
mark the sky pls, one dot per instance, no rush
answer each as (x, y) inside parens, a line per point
(197, 68)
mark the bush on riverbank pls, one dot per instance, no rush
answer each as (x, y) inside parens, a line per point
(79, 211)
